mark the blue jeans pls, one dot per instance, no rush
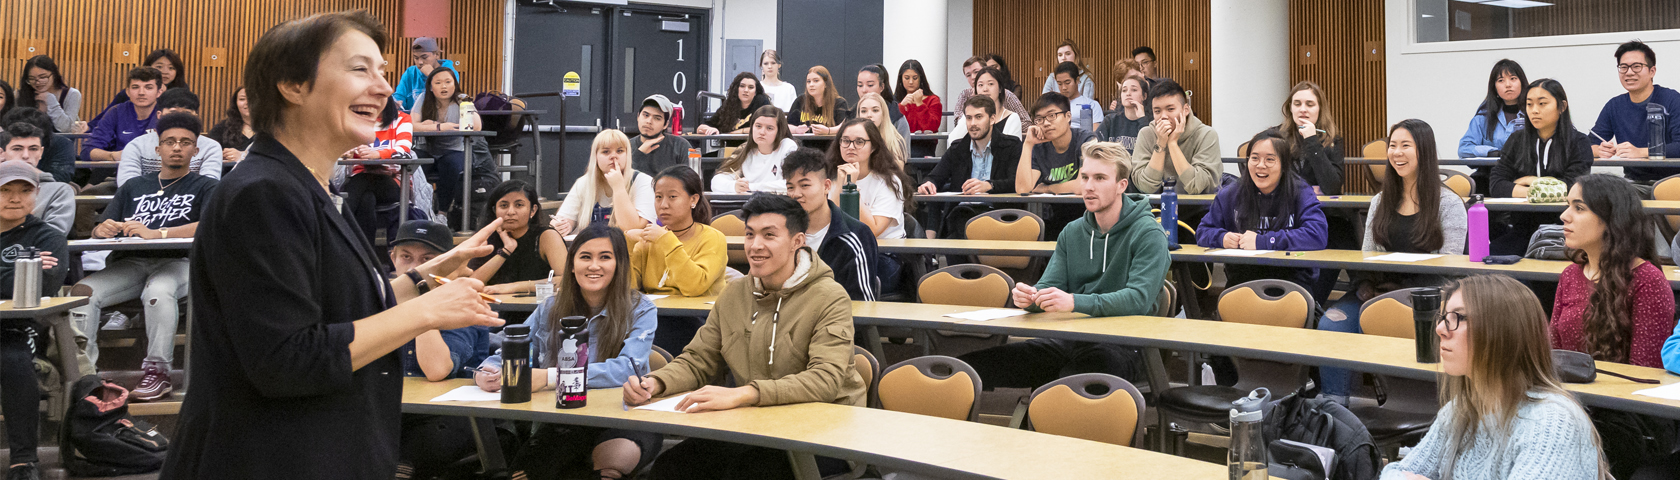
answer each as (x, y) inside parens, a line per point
(448, 165)
(1339, 381)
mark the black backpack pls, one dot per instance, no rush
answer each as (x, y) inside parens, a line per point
(109, 442)
(1323, 422)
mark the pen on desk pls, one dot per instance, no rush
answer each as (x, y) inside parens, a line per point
(486, 297)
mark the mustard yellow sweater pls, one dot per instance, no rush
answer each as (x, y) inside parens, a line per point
(670, 267)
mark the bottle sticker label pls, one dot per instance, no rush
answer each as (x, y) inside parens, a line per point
(511, 372)
(573, 364)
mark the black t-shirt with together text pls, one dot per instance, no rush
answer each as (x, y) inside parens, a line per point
(171, 203)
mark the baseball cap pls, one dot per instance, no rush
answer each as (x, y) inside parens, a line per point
(431, 234)
(659, 102)
(20, 170)
(425, 44)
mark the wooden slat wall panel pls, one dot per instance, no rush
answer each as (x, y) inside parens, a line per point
(1340, 30)
(80, 35)
(1569, 17)
(1027, 32)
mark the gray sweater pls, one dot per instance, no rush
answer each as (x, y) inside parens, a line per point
(1550, 437)
(1452, 224)
(55, 203)
(1200, 144)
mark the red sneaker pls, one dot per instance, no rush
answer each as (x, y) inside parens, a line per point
(154, 385)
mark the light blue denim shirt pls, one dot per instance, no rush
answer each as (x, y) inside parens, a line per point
(603, 373)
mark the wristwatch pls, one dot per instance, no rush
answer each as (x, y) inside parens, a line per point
(164, 231)
(419, 281)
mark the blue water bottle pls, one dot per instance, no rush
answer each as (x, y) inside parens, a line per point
(1086, 118)
(1169, 209)
(1657, 121)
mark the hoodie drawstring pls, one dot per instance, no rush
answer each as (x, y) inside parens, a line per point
(1090, 249)
(775, 320)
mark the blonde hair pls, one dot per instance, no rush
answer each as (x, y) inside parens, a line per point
(588, 187)
(1110, 153)
(889, 132)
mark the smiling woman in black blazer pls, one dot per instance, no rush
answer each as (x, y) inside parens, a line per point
(294, 374)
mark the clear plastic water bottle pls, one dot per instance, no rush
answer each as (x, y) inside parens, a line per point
(1248, 459)
(1657, 121)
(1477, 218)
(1086, 118)
(1169, 209)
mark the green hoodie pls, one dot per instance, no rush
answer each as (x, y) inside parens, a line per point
(1113, 273)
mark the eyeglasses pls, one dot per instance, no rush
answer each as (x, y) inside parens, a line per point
(1635, 67)
(1045, 120)
(178, 142)
(853, 142)
(1453, 320)
(42, 78)
(1263, 161)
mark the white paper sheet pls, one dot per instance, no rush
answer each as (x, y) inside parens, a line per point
(947, 193)
(988, 314)
(656, 297)
(470, 393)
(1237, 252)
(666, 405)
(1670, 392)
(1402, 257)
(1505, 200)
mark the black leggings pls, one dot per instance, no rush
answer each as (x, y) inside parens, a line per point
(567, 451)
(702, 459)
(20, 394)
(364, 193)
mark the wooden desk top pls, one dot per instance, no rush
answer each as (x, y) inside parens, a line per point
(130, 244)
(918, 443)
(49, 306)
(456, 133)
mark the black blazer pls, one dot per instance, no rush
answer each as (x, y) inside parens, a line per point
(278, 274)
(958, 164)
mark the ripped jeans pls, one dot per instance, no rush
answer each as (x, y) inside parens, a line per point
(161, 282)
(1341, 316)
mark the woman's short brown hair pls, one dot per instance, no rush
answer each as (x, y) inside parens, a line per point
(291, 53)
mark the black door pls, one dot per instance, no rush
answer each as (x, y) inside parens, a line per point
(657, 52)
(552, 41)
(842, 36)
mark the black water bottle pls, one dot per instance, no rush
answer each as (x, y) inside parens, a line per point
(572, 389)
(516, 364)
(1426, 309)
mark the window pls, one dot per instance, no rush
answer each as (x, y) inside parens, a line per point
(1461, 20)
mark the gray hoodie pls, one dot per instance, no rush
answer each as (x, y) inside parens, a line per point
(1200, 144)
(55, 203)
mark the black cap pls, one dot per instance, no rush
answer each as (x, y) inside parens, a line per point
(517, 330)
(431, 234)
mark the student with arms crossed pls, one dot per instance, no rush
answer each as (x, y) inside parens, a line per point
(844, 243)
(161, 205)
(653, 150)
(790, 306)
(1621, 124)
(1500, 115)
(594, 283)
(1177, 145)
(22, 339)
(681, 254)
(55, 202)
(611, 192)
(1111, 262)
(140, 156)
(1506, 415)
(756, 165)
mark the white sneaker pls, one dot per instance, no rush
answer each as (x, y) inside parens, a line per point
(116, 321)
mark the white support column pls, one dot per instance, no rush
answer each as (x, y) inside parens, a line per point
(1250, 62)
(916, 29)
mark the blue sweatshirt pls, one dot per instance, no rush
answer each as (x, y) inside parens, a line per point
(467, 348)
(412, 86)
(603, 373)
(1621, 120)
(1304, 229)
(115, 128)
(1671, 352)
(1477, 143)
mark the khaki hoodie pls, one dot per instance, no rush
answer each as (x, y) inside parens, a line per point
(808, 360)
(1200, 144)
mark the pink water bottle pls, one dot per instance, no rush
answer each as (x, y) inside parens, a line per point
(1478, 226)
(676, 120)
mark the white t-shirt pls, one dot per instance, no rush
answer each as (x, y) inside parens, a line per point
(763, 172)
(814, 239)
(641, 189)
(1011, 127)
(782, 95)
(875, 193)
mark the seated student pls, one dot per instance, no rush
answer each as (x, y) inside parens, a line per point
(1413, 213)
(7, 103)
(22, 339)
(234, 132)
(1050, 149)
(1313, 137)
(971, 70)
(55, 202)
(821, 107)
(1621, 123)
(416, 79)
(611, 192)
(846, 244)
(732, 117)
(1613, 302)
(1078, 103)
(1131, 116)
(141, 157)
(1116, 273)
(1145, 58)
(873, 107)
(1547, 145)
(1125, 67)
(652, 150)
(861, 156)
(526, 249)
(921, 107)
(809, 358)
(59, 156)
(981, 162)
(159, 205)
(1506, 415)
(438, 111)
(1178, 145)
(593, 282)
(1006, 122)
(782, 94)
(1008, 83)
(369, 186)
(124, 121)
(43, 88)
(171, 74)
(1271, 208)
(681, 254)
(1499, 115)
(873, 78)
(756, 165)
(430, 443)
(1068, 52)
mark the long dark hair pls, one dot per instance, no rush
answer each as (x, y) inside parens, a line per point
(1008, 81)
(730, 113)
(734, 162)
(429, 105)
(1491, 105)
(1325, 120)
(1627, 238)
(702, 211)
(614, 325)
(513, 186)
(1426, 227)
(1249, 215)
(8, 99)
(234, 121)
(26, 91)
(1561, 133)
(880, 160)
(180, 67)
(900, 92)
(881, 76)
